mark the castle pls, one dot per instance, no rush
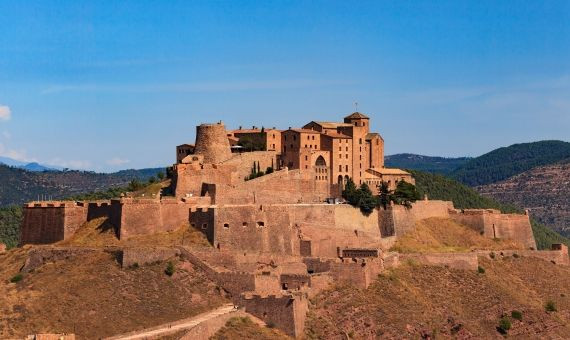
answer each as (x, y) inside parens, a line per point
(275, 238)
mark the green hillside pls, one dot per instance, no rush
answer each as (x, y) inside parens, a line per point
(438, 187)
(505, 162)
(18, 185)
(441, 165)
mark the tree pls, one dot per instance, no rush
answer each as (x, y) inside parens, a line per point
(385, 194)
(406, 193)
(160, 175)
(349, 192)
(366, 200)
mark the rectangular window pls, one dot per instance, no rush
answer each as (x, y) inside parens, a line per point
(346, 167)
(340, 168)
(204, 226)
(260, 224)
(306, 158)
(226, 225)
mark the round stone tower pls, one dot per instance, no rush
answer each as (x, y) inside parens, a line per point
(212, 142)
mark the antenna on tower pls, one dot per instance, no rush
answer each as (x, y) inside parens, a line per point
(355, 106)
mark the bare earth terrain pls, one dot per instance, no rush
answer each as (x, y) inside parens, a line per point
(418, 301)
(544, 190)
(91, 295)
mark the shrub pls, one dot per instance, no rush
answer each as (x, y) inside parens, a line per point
(134, 265)
(16, 278)
(271, 324)
(481, 270)
(269, 170)
(516, 315)
(516, 256)
(492, 255)
(504, 325)
(170, 269)
(550, 306)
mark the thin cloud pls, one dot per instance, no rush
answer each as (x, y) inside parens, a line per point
(5, 113)
(229, 86)
(19, 155)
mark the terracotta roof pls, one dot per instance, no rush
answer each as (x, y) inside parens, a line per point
(250, 131)
(334, 134)
(356, 115)
(388, 171)
(304, 131)
(372, 135)
(330, 125)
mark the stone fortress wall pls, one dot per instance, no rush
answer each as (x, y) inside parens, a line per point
(275, 241)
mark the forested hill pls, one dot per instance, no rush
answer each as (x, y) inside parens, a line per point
(442, 165)
(506, 162)
(439, 187)
(18, 186)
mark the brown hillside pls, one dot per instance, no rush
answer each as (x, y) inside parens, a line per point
(435, 235)
(100, 233)
(544, 190)
(244, 328)
(93, 297)
(418, 301)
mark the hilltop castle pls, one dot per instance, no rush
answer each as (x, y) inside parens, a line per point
(261, 197)
(328, 152)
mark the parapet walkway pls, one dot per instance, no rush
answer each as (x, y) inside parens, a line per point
(177, 326)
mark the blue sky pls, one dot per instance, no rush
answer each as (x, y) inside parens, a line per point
(107, 85)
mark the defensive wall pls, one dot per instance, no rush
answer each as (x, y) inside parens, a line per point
(281, 187)
(397, 220)
(296, 229)
(557, 255)
(492, 224)
(287, 312)
(50, 222)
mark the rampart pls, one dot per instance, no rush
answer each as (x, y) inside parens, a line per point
(463, 261)
(148, 216)
(286, 312)
(50, 222)
(280, 187)
(285, 229)
(397, 220)
(492, 224)
(557, 255)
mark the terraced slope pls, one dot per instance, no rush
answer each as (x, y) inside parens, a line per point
(544, 190)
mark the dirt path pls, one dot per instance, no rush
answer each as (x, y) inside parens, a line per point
(176, 326)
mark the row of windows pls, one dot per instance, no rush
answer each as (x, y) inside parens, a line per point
(259, 224)
(340, 168)
(340, 148)
(310, 146)
(340, 156)
(321, 170)
(321, 178)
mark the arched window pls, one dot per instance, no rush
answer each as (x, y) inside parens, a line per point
(321, 161)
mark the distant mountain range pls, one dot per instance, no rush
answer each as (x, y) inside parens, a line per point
(535, 176)
(30, 166)
(441, 165)
(18, 185)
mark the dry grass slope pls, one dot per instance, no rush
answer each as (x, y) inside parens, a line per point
(244, 328)
(93, 297)
(415, 301)
(435, 235)
(100, 233)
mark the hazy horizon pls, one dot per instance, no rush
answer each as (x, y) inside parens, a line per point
(106, 86)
